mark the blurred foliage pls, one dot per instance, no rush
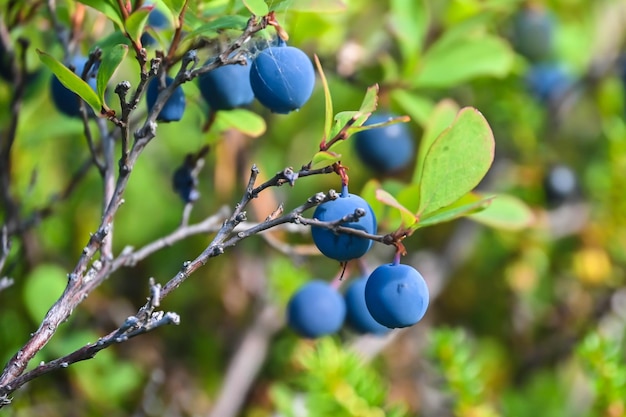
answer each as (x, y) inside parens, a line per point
(526, 323)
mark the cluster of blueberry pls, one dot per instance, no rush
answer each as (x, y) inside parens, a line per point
(393, 296)
(280, 77)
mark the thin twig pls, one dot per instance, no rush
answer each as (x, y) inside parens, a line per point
(246, 362)
(130, 258)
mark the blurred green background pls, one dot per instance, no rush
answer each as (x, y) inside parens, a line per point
(521, 323)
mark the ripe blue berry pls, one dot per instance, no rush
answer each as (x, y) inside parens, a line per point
(174, 107)
(358, 316)
(185, 184)
(341, 246)
(65, 100)
(316, 309)
(548, 81)
(282, 78)
(533, 33)
(386, 149)
(227, 87)
(396, 295)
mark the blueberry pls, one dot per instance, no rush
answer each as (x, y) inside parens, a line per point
(548, 81)
(282, 78)
(533, 33)
(396, 295)
(184, 183)
(65, 100)
(560, 185)
(358, 316)
(341, 246)
(386, 149)
(174, 107)
(157, 20)
(227, 87)
(316, 309)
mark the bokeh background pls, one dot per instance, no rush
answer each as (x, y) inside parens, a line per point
(523, 322)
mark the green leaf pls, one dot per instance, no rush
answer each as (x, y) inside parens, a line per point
(442, 117)
(370, 101)
(136, 22)
(466, 205)
(175, 6)
(328, 100)
(340, 120)
(408, 218)
(456, 162)
(72, 81)
(243, 120)
(111, 59)
(368, 105)
(409, 22)
(418, 107)
(108, 8)
(221, 23)
(449, 63)
(43, 286)
(257, 7)
(324, 158)
(506, 212)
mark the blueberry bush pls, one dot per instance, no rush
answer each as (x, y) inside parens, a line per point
(312, 208)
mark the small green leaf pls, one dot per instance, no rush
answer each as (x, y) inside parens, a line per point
(72, 81)
(257, 7)
(243, 120)
(400, 119)
(418, 107)
(328, 100)
(466, 205)
(368, 105)
(108, 8)
(221, 23)
(506, 212)
(340, 120)
(446, 64)
(43, 286)
(442, 117)
(136, 22)
(370, 101)
(324, 158)
(175, 6)
(111, 59)
(408, 218)
(456, 162)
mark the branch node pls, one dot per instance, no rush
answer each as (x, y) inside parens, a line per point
(317, 198)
